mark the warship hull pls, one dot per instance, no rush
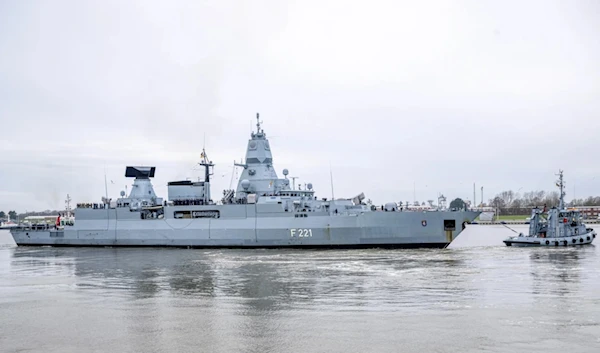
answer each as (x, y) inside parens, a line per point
(253, 229)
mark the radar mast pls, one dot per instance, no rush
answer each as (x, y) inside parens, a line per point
(204, 162)
(68, 205)
(257, 124)
(561, 185)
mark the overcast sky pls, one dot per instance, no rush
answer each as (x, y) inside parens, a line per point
(441, 94)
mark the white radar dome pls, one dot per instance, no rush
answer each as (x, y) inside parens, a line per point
(245, 184)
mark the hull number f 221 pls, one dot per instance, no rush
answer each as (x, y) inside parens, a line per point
(300, 233)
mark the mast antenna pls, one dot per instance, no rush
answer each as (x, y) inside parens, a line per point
(233, 172)
(293, 182)
(331, 177)
(105, 186)
(482, 196)
(561, 184)
(68, 205)
(206, 163)
(258, 129)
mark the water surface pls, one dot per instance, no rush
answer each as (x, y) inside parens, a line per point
(475, 296)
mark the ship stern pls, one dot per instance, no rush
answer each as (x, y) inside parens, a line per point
(18, 235)
(23, 236)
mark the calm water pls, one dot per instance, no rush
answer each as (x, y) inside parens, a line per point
(475, 296)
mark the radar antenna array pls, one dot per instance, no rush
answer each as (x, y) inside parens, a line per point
(140, 172)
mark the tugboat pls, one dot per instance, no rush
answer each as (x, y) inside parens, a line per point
(555, 227)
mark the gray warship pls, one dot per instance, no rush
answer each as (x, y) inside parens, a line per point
(263, 211)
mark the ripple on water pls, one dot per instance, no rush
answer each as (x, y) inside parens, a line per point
(481, 297)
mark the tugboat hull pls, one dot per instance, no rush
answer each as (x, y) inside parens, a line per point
(582, 239)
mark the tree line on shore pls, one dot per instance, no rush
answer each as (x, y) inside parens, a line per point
(14, 215)
(511, 199)
(512, 203)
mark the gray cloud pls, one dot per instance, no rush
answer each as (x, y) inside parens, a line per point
(440, 94)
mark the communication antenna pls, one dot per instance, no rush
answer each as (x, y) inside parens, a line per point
(331, 177)
(293, 182)
(68, 205)
(105, 185)
(257, 124)
(233, 172)
(482, 196)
